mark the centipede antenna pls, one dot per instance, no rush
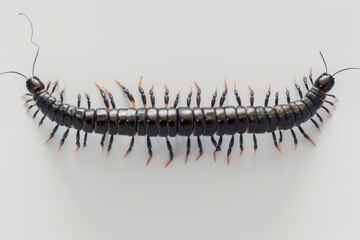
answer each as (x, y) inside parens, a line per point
(31, 39)
(14, 73)
(326, 69)
(345, 69)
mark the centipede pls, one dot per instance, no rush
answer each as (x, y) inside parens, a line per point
(189, 122)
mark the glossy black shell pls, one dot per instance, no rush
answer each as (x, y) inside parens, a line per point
(183, 121)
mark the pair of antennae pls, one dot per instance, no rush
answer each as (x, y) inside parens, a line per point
(37, 52)
(344, 69)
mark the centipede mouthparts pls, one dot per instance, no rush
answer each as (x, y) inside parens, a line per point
(186, 121)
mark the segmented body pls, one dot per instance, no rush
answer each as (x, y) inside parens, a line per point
(182, 121)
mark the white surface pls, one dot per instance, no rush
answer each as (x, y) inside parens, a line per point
(311, 193)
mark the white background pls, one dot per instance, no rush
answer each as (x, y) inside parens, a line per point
(311, 193)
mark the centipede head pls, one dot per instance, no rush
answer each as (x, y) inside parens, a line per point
(34, 85)
(325, 82)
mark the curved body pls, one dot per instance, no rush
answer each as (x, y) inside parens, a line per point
(182, 121)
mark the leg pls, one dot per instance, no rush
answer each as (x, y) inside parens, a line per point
(35, 113)
(128, 94)
(188, 145)
(62, 96)
(280, 136)
(111, 98)
(188, 100)
(306, 136)
(176, 101)
(310, 76)
(152, 97)
(217, 145)
(42, 120)
(54, 87)
(148, 141)
(30, 107)
(198, 95)
(238, 99)
(166, 96)
(251, 96)
(52, 134)
(298, 89)
(305, 82)
(103, 95)
(330, 103)
(231, 144)
(294, 137)
(171, 154)
(327, 110)
(142, 93)
(78, 100)
(29, 100)
(267, 96)
(78, 131)
(223, 95)
(275, 141)
(213, 141)
(62, 141)
(255, 143)
(332, 96)
(320, 118)
(102, 142)
(85, 139)
(241, 140)
(315, 124)
(48, 85)
(88, 100)
(130, 146)
(110, 145)
(77, 140)
(287, 95)
(276, 98)
(200, 148)
(213, 100)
